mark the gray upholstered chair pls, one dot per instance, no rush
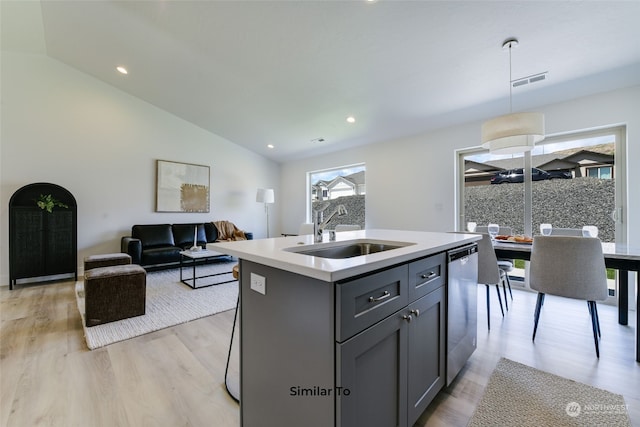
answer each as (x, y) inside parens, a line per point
(488, 272)
(106, 260)
(504, 264)
(305, 228)
(571, 267)
(576, 232)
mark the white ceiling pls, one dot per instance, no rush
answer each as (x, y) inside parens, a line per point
(288, 72)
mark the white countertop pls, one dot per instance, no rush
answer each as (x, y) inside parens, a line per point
(272, 251)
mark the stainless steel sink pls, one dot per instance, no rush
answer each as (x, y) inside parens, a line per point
(348, 249)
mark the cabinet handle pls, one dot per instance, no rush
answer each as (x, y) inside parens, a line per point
(428, 276)
(384, 295)
(407, 318)
(416, 312)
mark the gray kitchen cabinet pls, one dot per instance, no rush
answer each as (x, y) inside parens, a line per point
(371, 367)
(363, 351)
(388, 374)
(372, 376)
(426, 351)
(364, 301)
(287, 339)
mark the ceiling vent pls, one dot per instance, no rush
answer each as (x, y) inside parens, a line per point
(530, 79)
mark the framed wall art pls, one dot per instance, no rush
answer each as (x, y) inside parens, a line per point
(182, 187)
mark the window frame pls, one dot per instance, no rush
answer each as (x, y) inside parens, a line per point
(325, 192)
(618, 169)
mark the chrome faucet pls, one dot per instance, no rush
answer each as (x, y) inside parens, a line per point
(319, 223)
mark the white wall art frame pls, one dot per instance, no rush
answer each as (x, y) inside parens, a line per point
(182, 187)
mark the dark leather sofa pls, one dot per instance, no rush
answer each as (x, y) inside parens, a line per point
(159, 245)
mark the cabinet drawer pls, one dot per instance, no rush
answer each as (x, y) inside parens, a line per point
(426, 275)
(362, 302)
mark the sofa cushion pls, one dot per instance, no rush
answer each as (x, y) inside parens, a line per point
(162, 255)
(211, 231)
(105, 260)
(183, 235)
(153, 236)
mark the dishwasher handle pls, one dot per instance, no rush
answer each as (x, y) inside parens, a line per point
(462, 252)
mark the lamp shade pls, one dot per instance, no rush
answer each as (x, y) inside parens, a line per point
(265, 195)
(513, 133)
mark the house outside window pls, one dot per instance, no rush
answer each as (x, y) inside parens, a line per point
(343, 185)
(585, 185)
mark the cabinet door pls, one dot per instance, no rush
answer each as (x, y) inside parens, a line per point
(426, 351)
(27, 243)
(60, 254)
(372, 376)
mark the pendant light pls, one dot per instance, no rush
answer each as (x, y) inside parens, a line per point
(513, 132)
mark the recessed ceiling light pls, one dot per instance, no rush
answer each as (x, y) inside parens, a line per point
(122, 70)
(269, 145)
(351, 119)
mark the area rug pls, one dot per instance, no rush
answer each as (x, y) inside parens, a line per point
(520, 395)
(169, 303)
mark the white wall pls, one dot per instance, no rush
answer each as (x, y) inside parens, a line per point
(62, 126)
(411, 181)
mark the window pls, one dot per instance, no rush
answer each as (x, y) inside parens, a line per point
(343, 185)
(602, 172)
(577, 179)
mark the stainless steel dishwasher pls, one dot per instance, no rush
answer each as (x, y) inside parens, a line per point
(462, 302)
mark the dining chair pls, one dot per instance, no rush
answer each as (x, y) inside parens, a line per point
(347, 227)
(505, 264)
(488, 272)
(305, 228)
(576, 232)
(571, 267)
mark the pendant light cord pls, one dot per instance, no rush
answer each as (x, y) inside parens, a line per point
(510, 82)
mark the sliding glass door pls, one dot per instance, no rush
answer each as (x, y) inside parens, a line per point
(568, 181)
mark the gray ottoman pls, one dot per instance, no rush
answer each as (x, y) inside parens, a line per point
(114, 293)
(106, 260)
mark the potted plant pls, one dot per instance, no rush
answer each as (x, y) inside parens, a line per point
(48, 202)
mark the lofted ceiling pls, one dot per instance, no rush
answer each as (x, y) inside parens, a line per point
(288, 73)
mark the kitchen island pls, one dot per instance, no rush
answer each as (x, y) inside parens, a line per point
(329, 337)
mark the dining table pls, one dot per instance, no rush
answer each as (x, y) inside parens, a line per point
(621, 257)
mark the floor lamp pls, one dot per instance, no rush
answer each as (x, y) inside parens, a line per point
(266, 196)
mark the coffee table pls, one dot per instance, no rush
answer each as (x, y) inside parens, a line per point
(195, 257)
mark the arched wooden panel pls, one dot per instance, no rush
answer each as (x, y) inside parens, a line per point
(42, 243)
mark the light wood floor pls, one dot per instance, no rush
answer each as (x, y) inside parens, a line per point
(174, 377)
